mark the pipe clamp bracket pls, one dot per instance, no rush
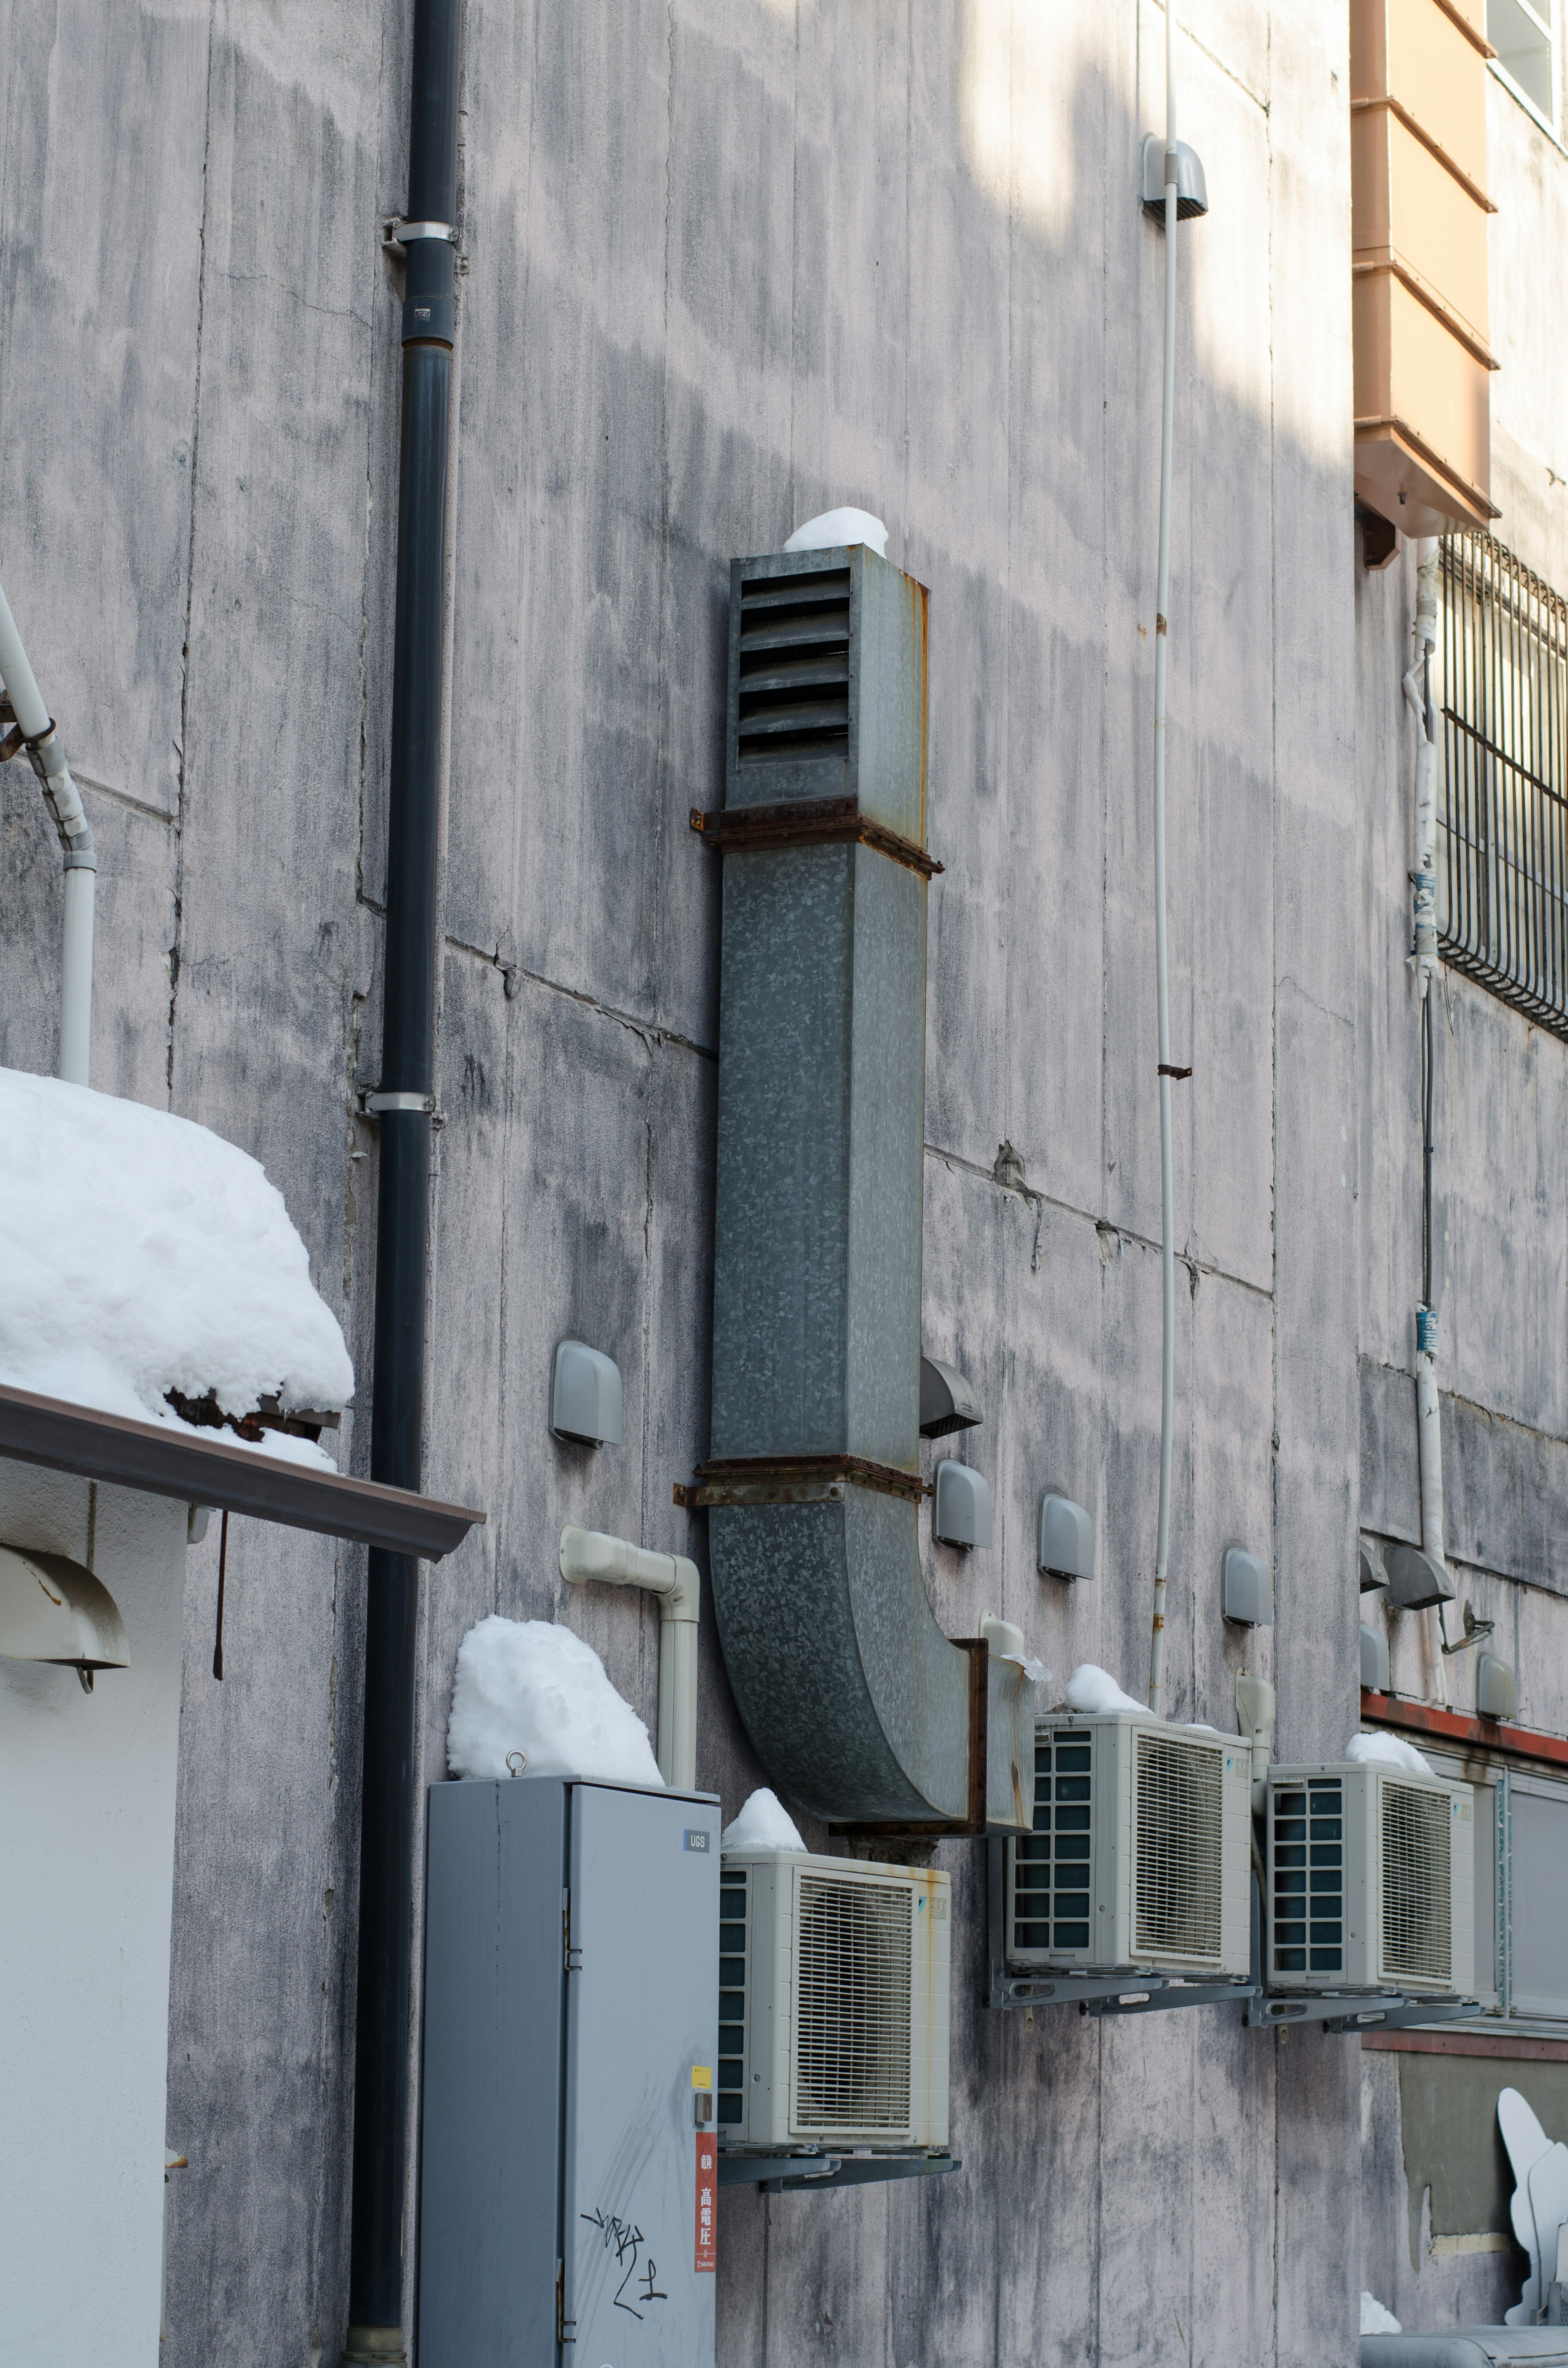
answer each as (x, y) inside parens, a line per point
(398, 235)
(376, 1104)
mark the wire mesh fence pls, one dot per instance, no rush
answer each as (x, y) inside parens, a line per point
(1503, 793)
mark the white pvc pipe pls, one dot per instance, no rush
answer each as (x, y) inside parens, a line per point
(1426, 964)
(1162, 960)
(47, 758)
(589, 1556)
(1424, 955)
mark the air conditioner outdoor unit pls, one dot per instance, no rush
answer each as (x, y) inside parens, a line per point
(833, 2006)
(1141, 1850)
(1370, 1881)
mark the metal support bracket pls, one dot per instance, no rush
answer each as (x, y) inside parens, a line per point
(1348, 2011)
(1099, 1993)
(777, 2174)
(398, 235)
(375, 1104)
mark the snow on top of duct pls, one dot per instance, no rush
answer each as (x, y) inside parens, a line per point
(1375, 2319)
(763, 1824)
(1389, 1751)
(530, 1699)
(141, 1254)
(836, 529)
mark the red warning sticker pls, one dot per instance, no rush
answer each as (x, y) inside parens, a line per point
(707, 2199)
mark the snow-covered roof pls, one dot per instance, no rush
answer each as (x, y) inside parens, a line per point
(141, 1254)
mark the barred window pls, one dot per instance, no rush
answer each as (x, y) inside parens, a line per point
(1500, 680)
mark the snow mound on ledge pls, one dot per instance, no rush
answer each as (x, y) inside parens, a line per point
(1388, 1751)
(836, 528)
(532, 1687)
(1092, 1688)
(763, 1824)
(140, 1253)
(1374, 2319)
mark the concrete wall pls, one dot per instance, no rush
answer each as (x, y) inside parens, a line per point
(731, 262)
(1500, 1245)
(86, 1876)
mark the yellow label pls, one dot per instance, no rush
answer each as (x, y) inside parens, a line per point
(702, 2077)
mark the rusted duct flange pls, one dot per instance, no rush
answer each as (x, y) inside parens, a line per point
(861, 1709)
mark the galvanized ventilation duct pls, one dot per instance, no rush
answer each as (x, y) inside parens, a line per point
(859, 1707)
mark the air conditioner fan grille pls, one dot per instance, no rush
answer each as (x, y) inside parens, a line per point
(1177, 1862)
(1417, 1907)
(852, 2005)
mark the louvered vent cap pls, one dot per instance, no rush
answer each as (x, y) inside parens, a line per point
(1192, 190)
(794, 667)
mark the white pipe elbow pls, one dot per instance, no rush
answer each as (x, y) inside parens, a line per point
(592, 1555)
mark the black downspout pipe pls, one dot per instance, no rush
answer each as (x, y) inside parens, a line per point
(404, 1105)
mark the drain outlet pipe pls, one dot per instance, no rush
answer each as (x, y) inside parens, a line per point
(404, 1105)
(33, 730)
(1425, 962)
(1162, 954)
(589, 1556)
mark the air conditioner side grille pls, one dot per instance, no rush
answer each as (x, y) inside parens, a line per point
(1306, 1847)
(1418, 1929)
(1051, 1866)
(732, 2105)
(794, 667)
(1178, 1866)
(852, 1945)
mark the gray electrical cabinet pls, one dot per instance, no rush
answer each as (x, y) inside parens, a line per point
(568, 2168)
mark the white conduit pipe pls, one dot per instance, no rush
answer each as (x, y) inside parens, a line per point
(1162, 961)
(588, 1555)
(47, 758)
(1425, 961)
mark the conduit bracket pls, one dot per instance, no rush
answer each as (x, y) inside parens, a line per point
(398, 235)
(373, 1103)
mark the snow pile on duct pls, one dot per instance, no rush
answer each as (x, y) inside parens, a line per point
(140, 1255)
(530, 1699)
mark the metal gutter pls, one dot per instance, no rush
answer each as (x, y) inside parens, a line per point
(160, 1463)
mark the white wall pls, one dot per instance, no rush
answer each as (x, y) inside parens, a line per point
(87, 1873)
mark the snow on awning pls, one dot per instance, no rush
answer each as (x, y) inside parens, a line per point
(204, 1469)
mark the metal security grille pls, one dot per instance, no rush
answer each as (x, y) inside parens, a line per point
(1051, 1865)
(1418, 1931)
(1502, 817)
(1307, 1876)
(732, 2105)
(1177, 1858)
(794, 674)
(852, 1975)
